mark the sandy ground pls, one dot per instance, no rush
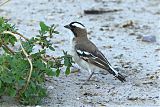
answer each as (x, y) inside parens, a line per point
(118, 34)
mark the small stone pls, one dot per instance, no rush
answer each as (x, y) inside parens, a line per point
(126, 66)
(157, 50)
(132, 33)
(125, 48)
(38, 106)
(157, 97)
(77, 83)
(132, 98)
(151, 77)
(77, 98)
(97, 86)
(111, 37)
(139, 37)
(149, 39)
(109, 47)
(101, 29)
(118, 56)
(99, 38)
(127, 24)
(50, 87)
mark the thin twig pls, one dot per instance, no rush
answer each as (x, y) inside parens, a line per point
(45, 60)
(49, 58)
(27, 56)
(31, 68)
(11, 51)
(21, 36)
(5, 45)
(4, 3)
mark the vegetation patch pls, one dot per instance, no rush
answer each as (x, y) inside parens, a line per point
(23, 70)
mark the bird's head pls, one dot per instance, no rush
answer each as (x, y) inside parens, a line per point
(77, 28)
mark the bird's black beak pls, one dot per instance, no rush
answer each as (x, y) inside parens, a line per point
(67, 26)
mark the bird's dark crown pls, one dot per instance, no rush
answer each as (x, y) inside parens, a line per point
(77, 28)
(76, 24)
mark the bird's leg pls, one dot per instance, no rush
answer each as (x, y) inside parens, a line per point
(90, 76)
(85, 83)
(75, 69)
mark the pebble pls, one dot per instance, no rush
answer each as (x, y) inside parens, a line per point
(78, 98)
(97, 86)
(50, 87)
(127, 24)
(38, 106)
(149, 38)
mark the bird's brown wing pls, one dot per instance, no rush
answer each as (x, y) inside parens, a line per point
(90, 53)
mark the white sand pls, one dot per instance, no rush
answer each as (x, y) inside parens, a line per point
(140, 61)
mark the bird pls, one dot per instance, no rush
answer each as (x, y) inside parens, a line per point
(86, 54)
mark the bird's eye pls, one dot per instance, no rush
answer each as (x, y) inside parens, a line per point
(72, 26)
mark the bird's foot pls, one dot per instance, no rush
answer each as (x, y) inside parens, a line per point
(75, 70)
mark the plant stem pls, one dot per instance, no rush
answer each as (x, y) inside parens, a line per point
(4, 3)
(27, 56)
(11, 51)
(21, 36)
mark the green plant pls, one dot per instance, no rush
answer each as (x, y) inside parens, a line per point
(23, 71)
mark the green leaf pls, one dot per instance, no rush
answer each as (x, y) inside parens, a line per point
(0, 83)
(51, 48)
(7, 80)
(21, 83)
(44, 27)
(11, 92)
(67, 61)
(67, 72)
(2, 91)
(40, 65)
(49, 72)
(12, 40)
(57, 72)
(26, 93)
(33, 85)
(28, 46)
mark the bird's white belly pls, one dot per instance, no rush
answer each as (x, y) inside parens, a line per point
(83, 64)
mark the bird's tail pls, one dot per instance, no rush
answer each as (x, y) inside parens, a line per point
(121, 77)
(116, 74)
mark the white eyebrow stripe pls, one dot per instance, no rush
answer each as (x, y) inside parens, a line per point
(78, 25)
